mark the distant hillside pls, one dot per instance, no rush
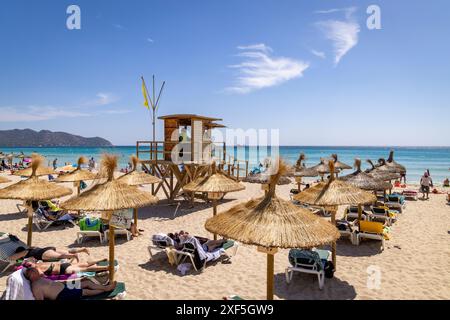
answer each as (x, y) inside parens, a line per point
(45, 138)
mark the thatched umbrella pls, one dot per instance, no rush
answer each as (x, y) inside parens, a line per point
(392, 163)
(110, 196)
(41, 170)
(335, 193)
(4, 180)
(381, 174)
(322, 168)
(77, 175)
(365, 181)
(215, 185)
(33, 189)
(338, 164)
(271, 223)
(137, 178)
(264, 178)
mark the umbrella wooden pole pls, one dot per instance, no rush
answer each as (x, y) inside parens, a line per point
(214, 201)
(135, 217)
(333, 244)
(112, 238)
(270, 267)
(359, 212)
(78, 187)
(30, 225)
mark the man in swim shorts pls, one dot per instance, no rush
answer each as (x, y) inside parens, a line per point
(53, 290)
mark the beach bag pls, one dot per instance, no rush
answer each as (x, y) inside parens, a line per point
(91, 224)
(329, 269)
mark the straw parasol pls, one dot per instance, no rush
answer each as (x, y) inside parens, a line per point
(381, 174)
(4, 180)
(335, 193)
(41, 170)
(365, 181)
(33, 189)
(215, 185)
(271, 223)
(110, 196)
(136, 178)
(338, 164)
(392, 163)
(78, 175)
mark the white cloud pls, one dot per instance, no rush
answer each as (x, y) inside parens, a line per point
(36, 113)
(319, 54)
(261, 70)
(102, 99)
(118, 111)
(150, 40)
(118, 26)
(343, 33)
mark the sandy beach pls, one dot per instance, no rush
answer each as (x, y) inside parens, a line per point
(412, 266)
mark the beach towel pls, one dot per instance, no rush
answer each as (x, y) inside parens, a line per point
(17, 287)
(90, 224)
(307, 257)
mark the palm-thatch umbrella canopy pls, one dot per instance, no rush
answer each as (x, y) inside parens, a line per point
(77, 175)
(365, 181)
(33, 189)
(338, 164)
(335, 193)
(322, 168)
(264, 178)
(271, 223)
(215, 185)
(110, 196)
(392, 163)
(137, 178)
(381, 174)
(41, 170)
(4, 180)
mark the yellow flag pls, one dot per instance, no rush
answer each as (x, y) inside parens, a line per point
(144, 92)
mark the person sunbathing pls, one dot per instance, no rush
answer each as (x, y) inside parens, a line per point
(52, 290)
(47, 253)
(65, 268)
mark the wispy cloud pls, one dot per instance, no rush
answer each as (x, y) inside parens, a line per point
(260, 69)
(117, 111)
(343, 33)
(36, 113)
(118, 26)
(319, 54)
(102, 99)
(150, 40)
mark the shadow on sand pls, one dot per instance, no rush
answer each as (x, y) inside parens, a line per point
(306, 287)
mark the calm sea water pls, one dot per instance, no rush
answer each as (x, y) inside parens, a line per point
(415, 159)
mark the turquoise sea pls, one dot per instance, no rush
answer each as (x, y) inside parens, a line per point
(415, 159)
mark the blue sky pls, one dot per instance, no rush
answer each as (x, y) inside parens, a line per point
(309, 68)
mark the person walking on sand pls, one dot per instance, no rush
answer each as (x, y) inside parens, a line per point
(54, 163)
(425, 184)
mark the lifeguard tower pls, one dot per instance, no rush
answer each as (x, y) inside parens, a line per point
(185, 153)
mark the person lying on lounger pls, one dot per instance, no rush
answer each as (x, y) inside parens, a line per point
(65, 268)
(53, 290)
(47, 253)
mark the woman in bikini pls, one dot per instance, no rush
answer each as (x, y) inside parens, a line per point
(47, 253)
(65, 268)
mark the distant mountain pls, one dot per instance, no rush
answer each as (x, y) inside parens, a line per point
(45, 138)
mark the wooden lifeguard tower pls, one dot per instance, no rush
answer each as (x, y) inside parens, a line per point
(185, 153)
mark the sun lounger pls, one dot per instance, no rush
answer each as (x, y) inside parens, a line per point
(383, 214)
(308, 261)
(191, 251)
(372, 230)
(395, 201)
(347, 229)
(410, 194)
(8, 246)
(18, 288)
(90, 227)
(120, 232)
(351, 214)
(42, 220)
